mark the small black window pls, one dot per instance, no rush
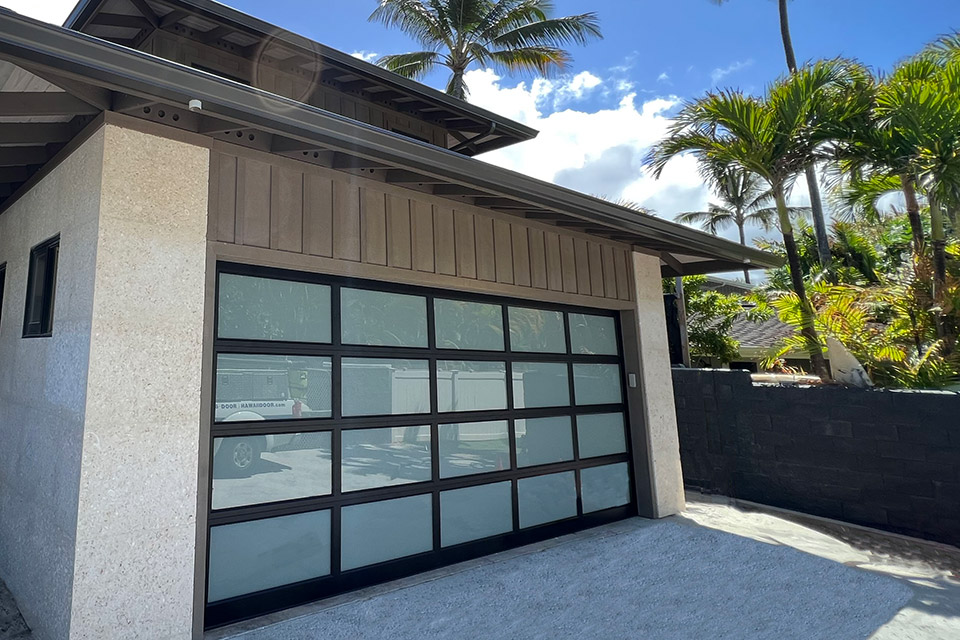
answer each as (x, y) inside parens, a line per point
(41, 287)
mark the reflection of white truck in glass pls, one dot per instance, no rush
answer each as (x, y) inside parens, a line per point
(254, 395)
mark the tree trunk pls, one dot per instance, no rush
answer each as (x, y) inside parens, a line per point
(939, 249)
(808, 330)
(913, 211)
(785, 35)
(813, 185)
(743, 241)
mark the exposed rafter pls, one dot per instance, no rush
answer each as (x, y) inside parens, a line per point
(42, 103)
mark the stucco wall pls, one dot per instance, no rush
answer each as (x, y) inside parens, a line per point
(43, 389)
(136, 526)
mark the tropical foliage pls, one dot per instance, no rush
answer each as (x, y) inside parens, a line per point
(710, 317)
(509, 35)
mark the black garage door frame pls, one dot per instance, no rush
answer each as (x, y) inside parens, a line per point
(262, 602)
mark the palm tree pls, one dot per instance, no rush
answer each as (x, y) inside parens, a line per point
(816, 203)
(776, 137)
(744, 201)
(512, 35)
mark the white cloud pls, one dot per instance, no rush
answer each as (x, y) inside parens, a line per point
(719, 74)
(55, 11)
(597, 152)
(368, 56)
(663, 77)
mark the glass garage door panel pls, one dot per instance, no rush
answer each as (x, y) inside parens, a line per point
(270, 468)
(380, 531)
(540, 384)
(597, 384)
(601, 434)
(379, 387)
(261, 387)
(471, 386)
(252, 556)
(605, 487)
(384, 457)
(268, 309)
(467, 448)
(475, 512)
(593, 335)
(544, 441)
(379, 318)
(536, 330)
(468, 325)
(547, 498)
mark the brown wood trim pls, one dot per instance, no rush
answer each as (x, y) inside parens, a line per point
(395, 189)
(332, 266)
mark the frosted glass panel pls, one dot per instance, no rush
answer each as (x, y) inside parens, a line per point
(384, 457)
(536, 330)
(544, 440)
(601, 434)
(471, 386)
(475, 512)
(381, 531)
(540, 384)
(376, 386)
(593, 334)
(597, 383)
(269, 468)
(547, 498)
(253, 556)
(605, 487)
(257, 387)
(468, 325)
(267, 309)
(474, 447)
(379, 318)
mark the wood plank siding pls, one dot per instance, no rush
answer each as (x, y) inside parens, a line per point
(265, 201)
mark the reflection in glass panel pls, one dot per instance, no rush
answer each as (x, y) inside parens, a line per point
(380, 531)
(605, 487)
(269, 468)
(593, 334)
(475, 512)
(384, 457)
(474, 447)
(601, 434)
(259, 387)
(540, 384)
(536, 330)
(268, 309)
(471, 386)
(547, 498)
(380, 318)
(375, 386)
(544, 441)
(597, 383)
(468, 325)
(252, 556)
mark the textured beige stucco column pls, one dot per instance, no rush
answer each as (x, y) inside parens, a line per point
(136, 521)
(648, 359)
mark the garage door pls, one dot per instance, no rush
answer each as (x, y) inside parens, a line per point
(363, 431)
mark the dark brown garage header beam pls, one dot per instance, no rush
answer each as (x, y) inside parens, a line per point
(42, 103)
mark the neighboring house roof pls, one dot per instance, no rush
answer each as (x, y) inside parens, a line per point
(103, 76)
(759, 335)
(728, 287)
(129, 22)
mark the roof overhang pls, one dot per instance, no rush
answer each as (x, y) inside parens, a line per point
(108, 77)
(472, 130)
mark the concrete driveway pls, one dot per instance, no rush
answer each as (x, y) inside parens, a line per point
(717, 571)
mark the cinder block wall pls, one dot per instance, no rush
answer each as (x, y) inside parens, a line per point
(885, 459)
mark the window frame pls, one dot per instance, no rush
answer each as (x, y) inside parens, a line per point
(42, 328)
(3, 281)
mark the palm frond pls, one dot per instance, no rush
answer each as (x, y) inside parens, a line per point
(410, 65)
(577, 29)
(542, 60)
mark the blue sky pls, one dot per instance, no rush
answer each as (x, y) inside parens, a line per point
(598, 120)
